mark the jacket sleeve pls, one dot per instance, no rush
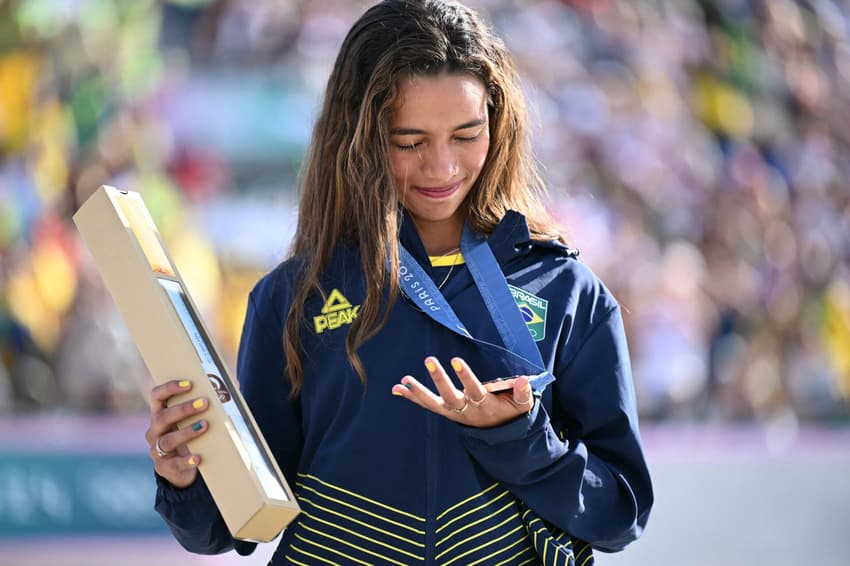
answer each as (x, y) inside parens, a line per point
(191, 514)
(194, 520)
(582, 469)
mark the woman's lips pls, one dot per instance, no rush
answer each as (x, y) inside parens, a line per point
(438, 192)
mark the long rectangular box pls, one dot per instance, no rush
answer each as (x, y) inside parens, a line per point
(237, 466)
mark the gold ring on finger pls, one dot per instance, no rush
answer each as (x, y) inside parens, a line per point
(462, 409)
(477, 403)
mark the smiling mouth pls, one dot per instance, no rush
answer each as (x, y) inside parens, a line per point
(438, 192)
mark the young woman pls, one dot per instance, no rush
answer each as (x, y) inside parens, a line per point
(420, 216)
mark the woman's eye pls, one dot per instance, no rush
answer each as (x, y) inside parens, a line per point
(409, 146)
(468, 139)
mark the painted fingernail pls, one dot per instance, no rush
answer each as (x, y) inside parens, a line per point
(456, 364)
(198, 426)
(192, 461)
(430, 365)
(198, 403)
(408, 386)
(526, 388)
(397, 393)
(184, 383)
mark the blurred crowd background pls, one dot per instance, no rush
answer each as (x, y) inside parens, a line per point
(697, 151)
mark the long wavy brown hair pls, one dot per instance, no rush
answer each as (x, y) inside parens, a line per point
(348, 195)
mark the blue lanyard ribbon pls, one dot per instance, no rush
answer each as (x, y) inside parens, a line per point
(491, 284)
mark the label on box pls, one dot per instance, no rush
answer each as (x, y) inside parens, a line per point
(244, 438)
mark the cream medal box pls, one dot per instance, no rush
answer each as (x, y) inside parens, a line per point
(237, 466)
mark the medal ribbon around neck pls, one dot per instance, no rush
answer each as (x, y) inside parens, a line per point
(417, 286)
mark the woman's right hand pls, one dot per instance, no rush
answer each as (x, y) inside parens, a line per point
(171, 457)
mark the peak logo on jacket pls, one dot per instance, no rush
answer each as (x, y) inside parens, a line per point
(336, 312)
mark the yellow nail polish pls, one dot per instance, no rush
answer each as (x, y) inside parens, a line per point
(457, 365)
(430, 365)
(198, 403)
(192, 461)
(184, 383)
(397, 394)
(526, 388)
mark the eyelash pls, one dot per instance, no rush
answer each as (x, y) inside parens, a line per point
(413, 146)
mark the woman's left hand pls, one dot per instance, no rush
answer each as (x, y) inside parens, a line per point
(474, 406)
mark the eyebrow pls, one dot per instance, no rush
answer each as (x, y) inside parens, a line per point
(416, 132)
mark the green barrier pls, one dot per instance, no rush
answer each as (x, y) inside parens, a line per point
(74, 493)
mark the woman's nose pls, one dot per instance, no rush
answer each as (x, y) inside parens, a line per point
(440, 163)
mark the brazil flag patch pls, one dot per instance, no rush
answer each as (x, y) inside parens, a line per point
(533, 310)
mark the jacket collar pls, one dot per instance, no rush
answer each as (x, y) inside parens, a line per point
(511, 238)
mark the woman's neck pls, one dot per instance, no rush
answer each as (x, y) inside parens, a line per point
(440, 237)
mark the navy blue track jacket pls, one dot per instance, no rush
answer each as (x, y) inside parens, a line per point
(381, 480)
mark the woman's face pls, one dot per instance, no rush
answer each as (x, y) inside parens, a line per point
(439, 141)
